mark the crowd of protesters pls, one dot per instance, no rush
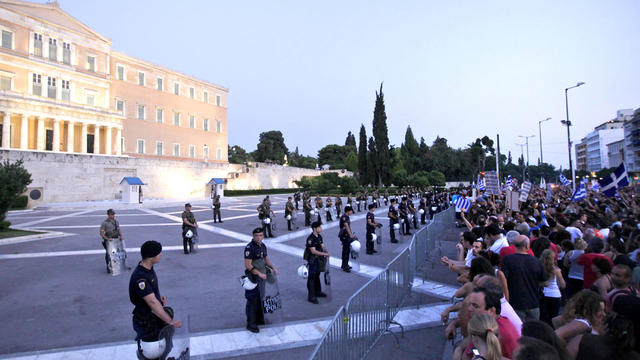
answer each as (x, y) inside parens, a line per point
(551, 278)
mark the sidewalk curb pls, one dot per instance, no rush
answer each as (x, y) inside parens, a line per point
(44, 235)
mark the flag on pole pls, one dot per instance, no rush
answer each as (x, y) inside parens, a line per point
(462, 204)
(481, 186)
(595, 185)
(615, 181)
(509, 183)
(543, 183)
(580, 193)
(565, 181)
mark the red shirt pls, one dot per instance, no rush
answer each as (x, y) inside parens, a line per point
(586, 260)
(508, 337)
(510, 250)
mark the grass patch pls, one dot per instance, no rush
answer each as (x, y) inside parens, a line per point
(15, 233)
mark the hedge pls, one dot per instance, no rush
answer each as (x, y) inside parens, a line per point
(20, 203)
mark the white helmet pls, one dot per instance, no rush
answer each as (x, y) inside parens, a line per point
(421, 211)
(267, 220)
(401, 221)
(326, 209)
(153, 349)
(314, 212)
(188, 234)
(355, 245)
(396, 226)
(247, 284)
(374, 237)
(288, 217)
(303, 271)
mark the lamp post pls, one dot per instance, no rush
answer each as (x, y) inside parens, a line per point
(526, 138)
(540, 133)
(568, 124)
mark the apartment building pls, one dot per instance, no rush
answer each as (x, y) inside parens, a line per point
(63, 89)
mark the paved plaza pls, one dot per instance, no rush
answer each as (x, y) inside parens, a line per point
(56, 294)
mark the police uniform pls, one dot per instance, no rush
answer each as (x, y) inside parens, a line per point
(266, 213)
(111, 231)
(370, 231)
(319, 206)
(306, 206)
(216, 209)
(142, 283)
(358, 200)
(316, 265)
(338, 206)
(412, 210)
(402, 208)
(288, 211)
(423, 207)
(257, 253)
(392, 220)
(346, 241)
(296, 198)
(328, 209)
(188, 215)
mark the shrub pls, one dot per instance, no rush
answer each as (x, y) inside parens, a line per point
(20, 202)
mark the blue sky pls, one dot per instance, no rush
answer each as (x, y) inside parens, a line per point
(455, 69)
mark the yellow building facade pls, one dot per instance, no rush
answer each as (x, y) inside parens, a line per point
(63, 89)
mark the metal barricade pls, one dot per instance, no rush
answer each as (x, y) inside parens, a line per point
(332, 345)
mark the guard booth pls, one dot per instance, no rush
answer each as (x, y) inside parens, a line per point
(215, 186)
(131, 188)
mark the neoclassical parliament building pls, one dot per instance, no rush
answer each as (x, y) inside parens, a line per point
(63, 89)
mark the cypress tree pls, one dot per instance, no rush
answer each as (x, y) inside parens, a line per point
(372, 170)
(382, 159)
(362, 157)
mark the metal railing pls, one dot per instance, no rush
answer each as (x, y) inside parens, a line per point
(369, 312)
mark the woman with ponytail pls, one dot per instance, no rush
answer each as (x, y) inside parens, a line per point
(483, 330)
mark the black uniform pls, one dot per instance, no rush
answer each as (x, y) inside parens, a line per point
(296, 198)
(142, 283)
(346, 241)
(412, 210)
(423, 207)
(392, 221)
(370, 231)
(257, 253)
(403, 209)
(314, 288)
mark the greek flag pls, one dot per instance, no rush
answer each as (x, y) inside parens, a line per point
(509, 182)
(565, 181)
(543, 183)
(580, 193)
(462, 204)
(481, 184)
(615, 181)
(595, 186)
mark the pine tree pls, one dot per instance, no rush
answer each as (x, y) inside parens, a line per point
(372, 170)
(350, 140)
(382, 159)
(362, 157)
(410, 151)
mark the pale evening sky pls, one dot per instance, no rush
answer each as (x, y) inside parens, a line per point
(457, 69)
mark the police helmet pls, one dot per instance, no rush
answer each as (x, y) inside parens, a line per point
(188, 234)
(396, 226)
(153, 349)
(355, 246)
(421, 211)
(247, 284)
(288, 217)
(303, 271)
(267, 220)
(374, 237)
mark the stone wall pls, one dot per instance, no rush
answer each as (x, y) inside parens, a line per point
(64, 177)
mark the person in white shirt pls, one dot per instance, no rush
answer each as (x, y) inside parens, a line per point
(495, 239)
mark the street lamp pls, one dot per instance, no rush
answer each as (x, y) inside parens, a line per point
(526, 138)
(540, 131)
(568, 124)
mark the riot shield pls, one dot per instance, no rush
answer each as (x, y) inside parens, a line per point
(272, 303)
(377, 244)
(327, 280)
(274, 226)
(181, 346)
(117, 256)
(195, 241)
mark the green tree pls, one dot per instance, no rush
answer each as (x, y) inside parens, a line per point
(351, 162)
(301, 161)
(424, 163)
(382, 157)
(14, 179)
(333, 155)
(348, 184)
(351, 141)
(410, 152)
(436, 178)
(362, 157)
(238, 155)
(372, 168)
(271, 147)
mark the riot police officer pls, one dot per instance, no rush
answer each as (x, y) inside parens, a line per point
(109, 230)
(288, 212)
(338, 206)
(319, 206)
(150, 313)
(423, 206)
(329, 205)
(412, 210)
(306, 206)
(404, 215)
(318, 258)
(189, 223)
(346, 236)
(296, 198)
(257, 264)
(358, 200)
(371, 229)
(265, 212)
(216, 209)
(393, 219)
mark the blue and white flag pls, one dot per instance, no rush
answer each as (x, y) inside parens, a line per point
(580, 193)
(524, 191)
(565, 181)
(509, 183)
(595, 185)
(462, 204)
(615, 181)
(543, 183)
(481, 186)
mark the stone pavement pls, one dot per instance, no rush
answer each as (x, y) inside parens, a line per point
(61, 298)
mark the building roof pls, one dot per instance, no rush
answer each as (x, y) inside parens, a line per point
(215, 181)
(52, 14)
(132, 180)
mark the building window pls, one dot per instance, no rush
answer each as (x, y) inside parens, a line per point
(120, 106)
(141, 78)
(37, 84)
(37, 44)
(140, 112)
(205, 152)
(7, 39)
(192, 122)
(91, 63)
(205, 124)
(159, 115)
(176, 88)
(160, 84)
(218, 154)
(192, 151)
(206, 97)
(192, 93)
(120, 72)
(51, 88)
(140, 146)
(176, 149)
(91, 98)
(176, 119)
(218, 126)
(159, 150)
(53, 49)
(218, 100)
(66, 91)
(5, 83)
(66, 53)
